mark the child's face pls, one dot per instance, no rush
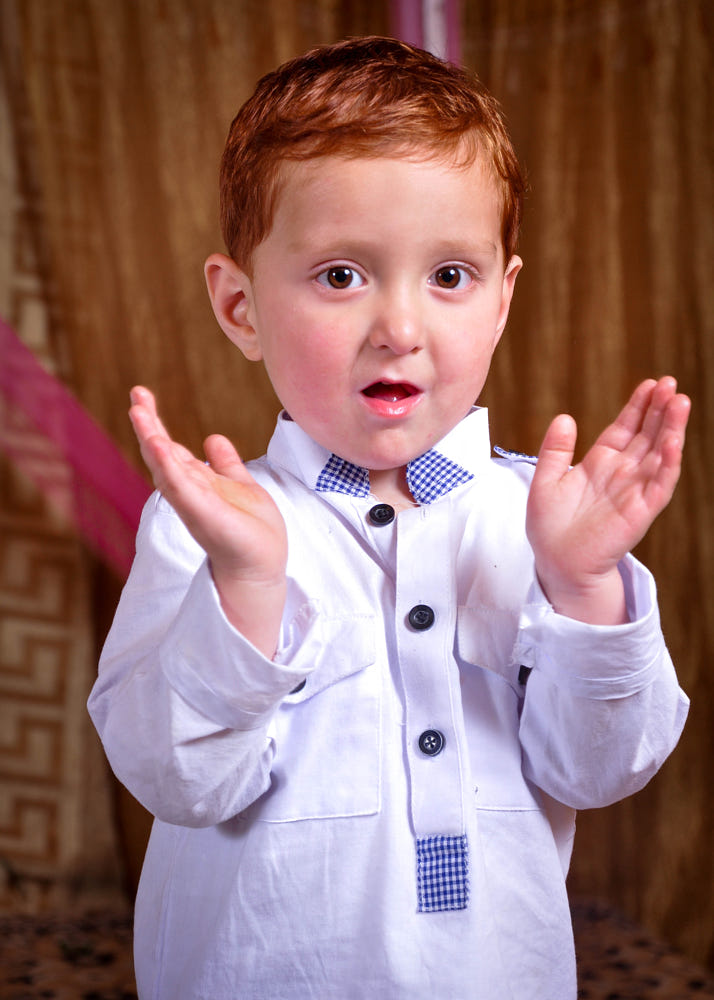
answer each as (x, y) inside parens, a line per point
(377, 300)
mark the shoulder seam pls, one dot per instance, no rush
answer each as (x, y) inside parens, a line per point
(515, 456)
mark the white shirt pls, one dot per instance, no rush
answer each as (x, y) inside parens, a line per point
(290, 856)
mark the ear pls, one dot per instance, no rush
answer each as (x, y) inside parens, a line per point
(509, 281)
(231, 294)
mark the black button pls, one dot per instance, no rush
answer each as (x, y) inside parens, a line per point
(421, 617)
(381, 513)
(523, 675)
(299, 687)
(431, 742)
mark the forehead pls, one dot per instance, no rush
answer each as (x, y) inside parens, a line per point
(469, 152)
(344, 191)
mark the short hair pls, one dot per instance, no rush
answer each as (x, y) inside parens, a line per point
(364, 97)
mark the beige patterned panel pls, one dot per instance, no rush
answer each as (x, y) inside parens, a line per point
(56, 841)
(39, 644)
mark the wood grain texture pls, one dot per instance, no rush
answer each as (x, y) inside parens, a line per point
(610, 104)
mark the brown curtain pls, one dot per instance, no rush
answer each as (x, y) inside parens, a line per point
(610, 103)
(118, 114)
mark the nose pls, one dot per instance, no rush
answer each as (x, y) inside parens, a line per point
(397, 323)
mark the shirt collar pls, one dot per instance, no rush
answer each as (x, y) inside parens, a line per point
(452, 461)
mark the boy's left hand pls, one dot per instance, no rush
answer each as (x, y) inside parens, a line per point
(582, 521)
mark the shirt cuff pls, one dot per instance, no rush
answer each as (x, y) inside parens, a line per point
(595, 661)
(219, 672)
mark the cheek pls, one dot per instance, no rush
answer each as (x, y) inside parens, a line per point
(466, 358)
(323, 348)
(305, 370)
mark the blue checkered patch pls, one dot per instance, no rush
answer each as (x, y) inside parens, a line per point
(432, 475)
(340, 476)
(429, 477)
(442, 873)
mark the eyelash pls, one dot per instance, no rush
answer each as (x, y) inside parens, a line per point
(462, 272)
(350, 273)
(323, 278)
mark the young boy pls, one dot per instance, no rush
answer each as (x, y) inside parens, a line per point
(364, 682)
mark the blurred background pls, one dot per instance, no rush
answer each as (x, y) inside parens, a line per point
(112, 122)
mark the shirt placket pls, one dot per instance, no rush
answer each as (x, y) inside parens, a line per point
(425, 621)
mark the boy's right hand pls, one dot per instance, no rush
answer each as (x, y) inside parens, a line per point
(231, 517)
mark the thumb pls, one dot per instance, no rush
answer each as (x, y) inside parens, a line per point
(556, 452)
(224, 459)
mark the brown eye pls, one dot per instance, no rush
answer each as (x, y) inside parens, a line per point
(340, 277)
(448, 277)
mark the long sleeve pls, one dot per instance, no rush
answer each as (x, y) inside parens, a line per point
(183, 702)
(602, 708)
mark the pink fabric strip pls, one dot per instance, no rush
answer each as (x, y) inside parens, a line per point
(409, 18)
(407, 22)
(55, 442)
(453, 31)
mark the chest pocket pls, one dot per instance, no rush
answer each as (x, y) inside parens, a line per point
(492, 700)
(327, 733)
(485, 637)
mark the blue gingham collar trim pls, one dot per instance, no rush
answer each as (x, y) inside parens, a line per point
(453, 461)
(429, 477)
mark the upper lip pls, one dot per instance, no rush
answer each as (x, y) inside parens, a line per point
(405, 384)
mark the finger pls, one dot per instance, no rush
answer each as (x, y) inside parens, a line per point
(556, 452)
(662, 393)
(630, 419)
(166, 459)
(665, 418)
(640, 421)
(659, 488)
(143, 423)
(669, 449)
(144, 406)
(224, 459)
(144, 414)
(143, 399)
(139, 394)
(154, 443)
(144, 417)
(676, 417)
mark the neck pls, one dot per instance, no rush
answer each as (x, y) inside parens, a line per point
(390, 486)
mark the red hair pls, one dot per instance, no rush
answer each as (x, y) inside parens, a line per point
(365, 97)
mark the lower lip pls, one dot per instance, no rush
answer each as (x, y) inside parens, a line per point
(392, 409)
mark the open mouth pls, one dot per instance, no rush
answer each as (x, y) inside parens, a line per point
(390, 392)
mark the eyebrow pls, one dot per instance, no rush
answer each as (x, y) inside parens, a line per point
(487, 247)
(338, 246)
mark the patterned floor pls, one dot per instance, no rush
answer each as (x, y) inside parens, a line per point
(617, 960)
(89, 958)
